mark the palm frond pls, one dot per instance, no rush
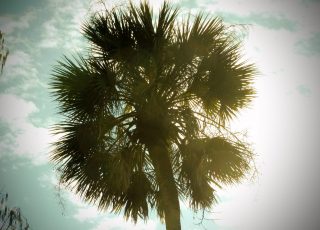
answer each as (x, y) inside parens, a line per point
(223, 82)
(111, 35)
(228, 161)
(196, 39)
(206, 163)
(165, 25)
(194, 176)
(225, 160)
(95, 167)
(141, 24)
(82, 90)
(136, 198)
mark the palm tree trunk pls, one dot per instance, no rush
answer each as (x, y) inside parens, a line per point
(168, 190)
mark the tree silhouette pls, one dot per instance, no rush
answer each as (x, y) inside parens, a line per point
(145, 112)
(11, 218)
(4, 52)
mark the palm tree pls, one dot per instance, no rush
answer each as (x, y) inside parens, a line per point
(145, 112)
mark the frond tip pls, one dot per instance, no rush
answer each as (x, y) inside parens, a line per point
(208, 162)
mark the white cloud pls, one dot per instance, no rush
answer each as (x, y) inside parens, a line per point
(9, 23)
(21, 68)
(14, 109)
(63, 28)
(85, 214)
(75, 199)
(29, 141)
(48, 178)
(17, 58)
(51, 35)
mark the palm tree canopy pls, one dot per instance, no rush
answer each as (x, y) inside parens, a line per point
(151, 80)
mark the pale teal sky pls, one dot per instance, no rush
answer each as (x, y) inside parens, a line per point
(281, 37)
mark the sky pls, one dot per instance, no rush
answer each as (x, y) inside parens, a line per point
(282, 123)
